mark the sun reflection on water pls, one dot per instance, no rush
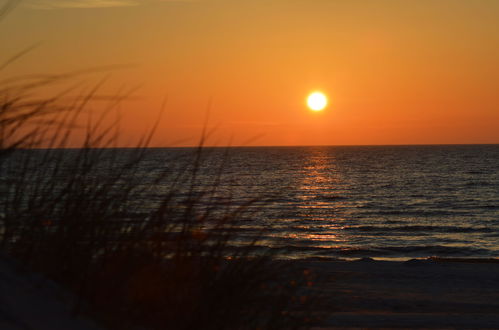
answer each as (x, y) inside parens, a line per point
(319, 190)
(320, 179)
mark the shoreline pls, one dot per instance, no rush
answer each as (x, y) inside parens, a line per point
(402, 259)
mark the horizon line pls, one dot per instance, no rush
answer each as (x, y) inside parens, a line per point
(274, 146)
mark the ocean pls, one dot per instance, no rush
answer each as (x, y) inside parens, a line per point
(386, 202)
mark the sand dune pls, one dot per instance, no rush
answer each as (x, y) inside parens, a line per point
(30, 301)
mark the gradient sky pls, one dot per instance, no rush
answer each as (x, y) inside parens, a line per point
(396, 72)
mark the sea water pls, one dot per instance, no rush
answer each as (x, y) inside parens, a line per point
(373, 201)
(349, 201)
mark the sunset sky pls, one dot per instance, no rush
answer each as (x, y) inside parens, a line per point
(395, 72)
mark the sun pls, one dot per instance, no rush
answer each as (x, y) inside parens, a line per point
(317, 101)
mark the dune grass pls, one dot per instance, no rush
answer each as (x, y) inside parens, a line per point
(155, 250)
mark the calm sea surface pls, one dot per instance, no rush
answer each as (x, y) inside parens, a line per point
(351, 202)
(381, 201)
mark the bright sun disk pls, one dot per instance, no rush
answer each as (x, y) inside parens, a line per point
(317, 101)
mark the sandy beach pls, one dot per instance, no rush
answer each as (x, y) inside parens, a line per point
(436, 294)
(412, 294)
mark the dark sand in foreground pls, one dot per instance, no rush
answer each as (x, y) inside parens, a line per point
(412, 294)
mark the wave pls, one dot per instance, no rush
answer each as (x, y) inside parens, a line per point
(421, 228)
(392, 251)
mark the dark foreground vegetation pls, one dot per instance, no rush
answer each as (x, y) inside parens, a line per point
(138, 251)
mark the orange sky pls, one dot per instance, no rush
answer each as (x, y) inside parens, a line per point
(396, 72)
